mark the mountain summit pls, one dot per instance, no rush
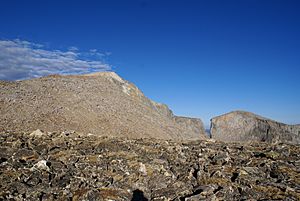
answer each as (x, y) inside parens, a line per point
(100, 103)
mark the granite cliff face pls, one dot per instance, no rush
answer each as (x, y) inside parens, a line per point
(80, 166)
(100, 103)
(245, 126)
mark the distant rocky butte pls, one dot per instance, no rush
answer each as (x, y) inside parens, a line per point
(99, 103)
(241, 126)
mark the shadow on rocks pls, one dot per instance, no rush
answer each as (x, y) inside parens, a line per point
(138, 195)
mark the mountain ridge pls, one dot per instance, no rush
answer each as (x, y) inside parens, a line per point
(101, 103)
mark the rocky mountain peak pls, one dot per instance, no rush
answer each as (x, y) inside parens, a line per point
(106, 74)
(101, 103)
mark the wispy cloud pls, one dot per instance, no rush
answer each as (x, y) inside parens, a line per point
(73, 48)
(22, 59)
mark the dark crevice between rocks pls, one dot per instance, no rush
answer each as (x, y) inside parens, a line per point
(23, 144)
(50, 178)
(218, 189)
(224, 163)
(41, 196)
(48, 164)
(2, 160)
(53, 148)
(259, 155)
(196, 192)
(273, 175)
(195, 173)
(241, 148)
(212, 174)
(240, 190)
(66, 167)
(262, 164)
(234, 176)
(138, 195)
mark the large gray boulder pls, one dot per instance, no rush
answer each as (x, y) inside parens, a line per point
(241, 126)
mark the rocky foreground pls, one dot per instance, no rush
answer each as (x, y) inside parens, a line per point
(72, 166)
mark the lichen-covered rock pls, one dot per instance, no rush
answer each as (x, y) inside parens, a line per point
(100, 103)
(75, 166)
(245, 126)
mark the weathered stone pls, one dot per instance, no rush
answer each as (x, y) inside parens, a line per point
(37, 133)
(143, 169)
(245, 126)
(41, 165)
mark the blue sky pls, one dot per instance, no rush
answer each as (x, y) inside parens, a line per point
(202, 58)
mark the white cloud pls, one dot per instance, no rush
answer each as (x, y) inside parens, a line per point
(93, 50)
(22, 59)
(73, 48)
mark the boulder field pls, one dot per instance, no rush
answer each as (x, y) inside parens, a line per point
(80, 166)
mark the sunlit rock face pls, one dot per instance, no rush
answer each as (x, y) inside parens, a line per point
(100, 103)
(245, 126)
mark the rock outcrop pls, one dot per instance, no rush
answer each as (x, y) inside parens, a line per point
(245, 126)
(100, 103)
(75, 166)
